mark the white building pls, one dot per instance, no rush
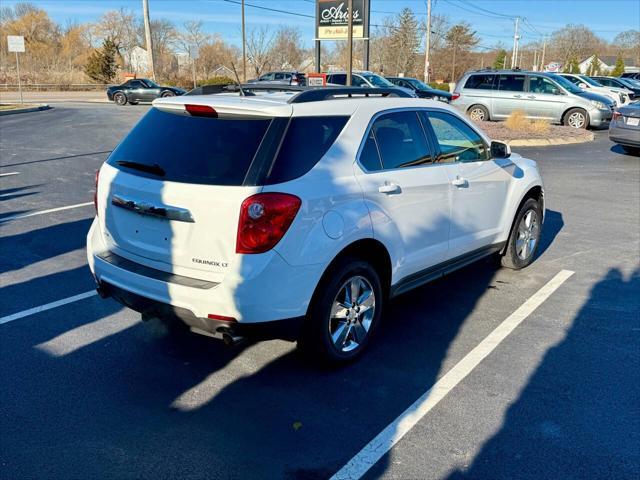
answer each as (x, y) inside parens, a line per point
(139, 60)
(607, 64)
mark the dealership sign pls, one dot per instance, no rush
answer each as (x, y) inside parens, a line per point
(332, 19)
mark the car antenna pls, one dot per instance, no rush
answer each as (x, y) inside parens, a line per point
(237, 79)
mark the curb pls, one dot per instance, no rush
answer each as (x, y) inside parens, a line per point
(36, 108)
(545, 142)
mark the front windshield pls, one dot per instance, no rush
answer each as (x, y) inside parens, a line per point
(377, 80)
(589, 81)
(566, 84)
(418, 84)
(629, 82)
(152, 84)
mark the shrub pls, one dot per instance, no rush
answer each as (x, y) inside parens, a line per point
(439, 86)
(518, 122)
(216, 81)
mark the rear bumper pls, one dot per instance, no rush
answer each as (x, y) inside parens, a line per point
(285, 329)
(258, 289)
(624, 135)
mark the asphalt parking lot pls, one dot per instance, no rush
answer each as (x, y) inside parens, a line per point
(89, 391)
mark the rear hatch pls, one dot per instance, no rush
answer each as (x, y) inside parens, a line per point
(171, 191)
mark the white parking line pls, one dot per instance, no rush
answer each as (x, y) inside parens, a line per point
(385, 440)
(8, 174)
(47, 306)
(42, 212)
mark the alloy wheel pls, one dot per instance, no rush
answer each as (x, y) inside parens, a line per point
(528, 233)
(477, 114)
(352, 313)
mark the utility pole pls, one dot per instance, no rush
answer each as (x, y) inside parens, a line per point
(350, 41)
(244, 48)
(544, 48)
(147, 36)
(427, 46)
(514, 55)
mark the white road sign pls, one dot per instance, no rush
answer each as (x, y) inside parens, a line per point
(15, 43)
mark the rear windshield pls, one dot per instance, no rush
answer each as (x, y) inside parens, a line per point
(190, 149)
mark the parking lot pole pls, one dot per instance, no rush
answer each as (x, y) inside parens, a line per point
(19, 82)
(318, 69)
(350, 42)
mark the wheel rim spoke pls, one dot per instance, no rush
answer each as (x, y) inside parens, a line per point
(352, 313)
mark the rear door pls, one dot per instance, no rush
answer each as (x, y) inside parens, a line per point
(406, 192)
(509, 95)
(173, 190)
(479, 184)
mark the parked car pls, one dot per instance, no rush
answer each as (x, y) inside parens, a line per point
(618, 82)
(625, 127)
(364, 79)
(494, 95)
(633, 75)
(421, 89)
(287, 78)
(299, 217)
(140, 90)
(619, 96)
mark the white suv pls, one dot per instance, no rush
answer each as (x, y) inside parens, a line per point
(298, 215)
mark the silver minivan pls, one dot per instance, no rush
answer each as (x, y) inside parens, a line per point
(495, 94)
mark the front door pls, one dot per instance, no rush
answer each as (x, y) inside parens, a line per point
(479, 187)
(406, 192)
(546, 100)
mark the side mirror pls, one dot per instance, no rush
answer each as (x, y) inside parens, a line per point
(500, 150)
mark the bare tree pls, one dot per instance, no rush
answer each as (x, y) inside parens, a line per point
(286, 51)
(259, 49)
(121, 27)
(574, 42)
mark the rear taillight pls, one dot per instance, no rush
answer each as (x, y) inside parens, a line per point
(616, 115)
(95, 193)
(455, 96)
(264, 219)
(201, 111)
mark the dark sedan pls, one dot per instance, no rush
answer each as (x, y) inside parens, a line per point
(421, 89)
(140, 90)
(625, 127)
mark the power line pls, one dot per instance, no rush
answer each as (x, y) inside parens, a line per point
(466, 2)
(238, 2)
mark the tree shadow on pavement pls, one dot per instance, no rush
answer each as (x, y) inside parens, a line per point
(578, 415)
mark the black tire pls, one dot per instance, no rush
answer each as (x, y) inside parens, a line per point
(478, 113)
(576, 118)
(120, 99)
(513, 257)
(167, 94)
(316, 341)
(132, 103)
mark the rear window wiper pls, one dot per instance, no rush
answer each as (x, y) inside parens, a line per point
(154, 169)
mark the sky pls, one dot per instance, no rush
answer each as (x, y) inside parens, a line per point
(492, 19)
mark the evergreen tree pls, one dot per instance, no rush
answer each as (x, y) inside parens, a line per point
(619, 68)
(500, 60)
(594, 66)
(101, 66)
(405, 41)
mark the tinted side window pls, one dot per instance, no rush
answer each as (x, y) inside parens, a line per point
(136, 84)
(357, 81)
(401, 140)
(280, 76)
(306, 141)
(369, 156)
(542, 85)
(573, 80)
(339, 79)
(480, 82)
(511, 83)
(458, 142)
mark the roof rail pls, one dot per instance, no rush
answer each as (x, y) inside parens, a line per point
(327, 93)
(302, 94)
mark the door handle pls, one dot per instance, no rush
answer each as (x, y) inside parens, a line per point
(460, 182)
(389, 188)
(531, 96)
(517, 96)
